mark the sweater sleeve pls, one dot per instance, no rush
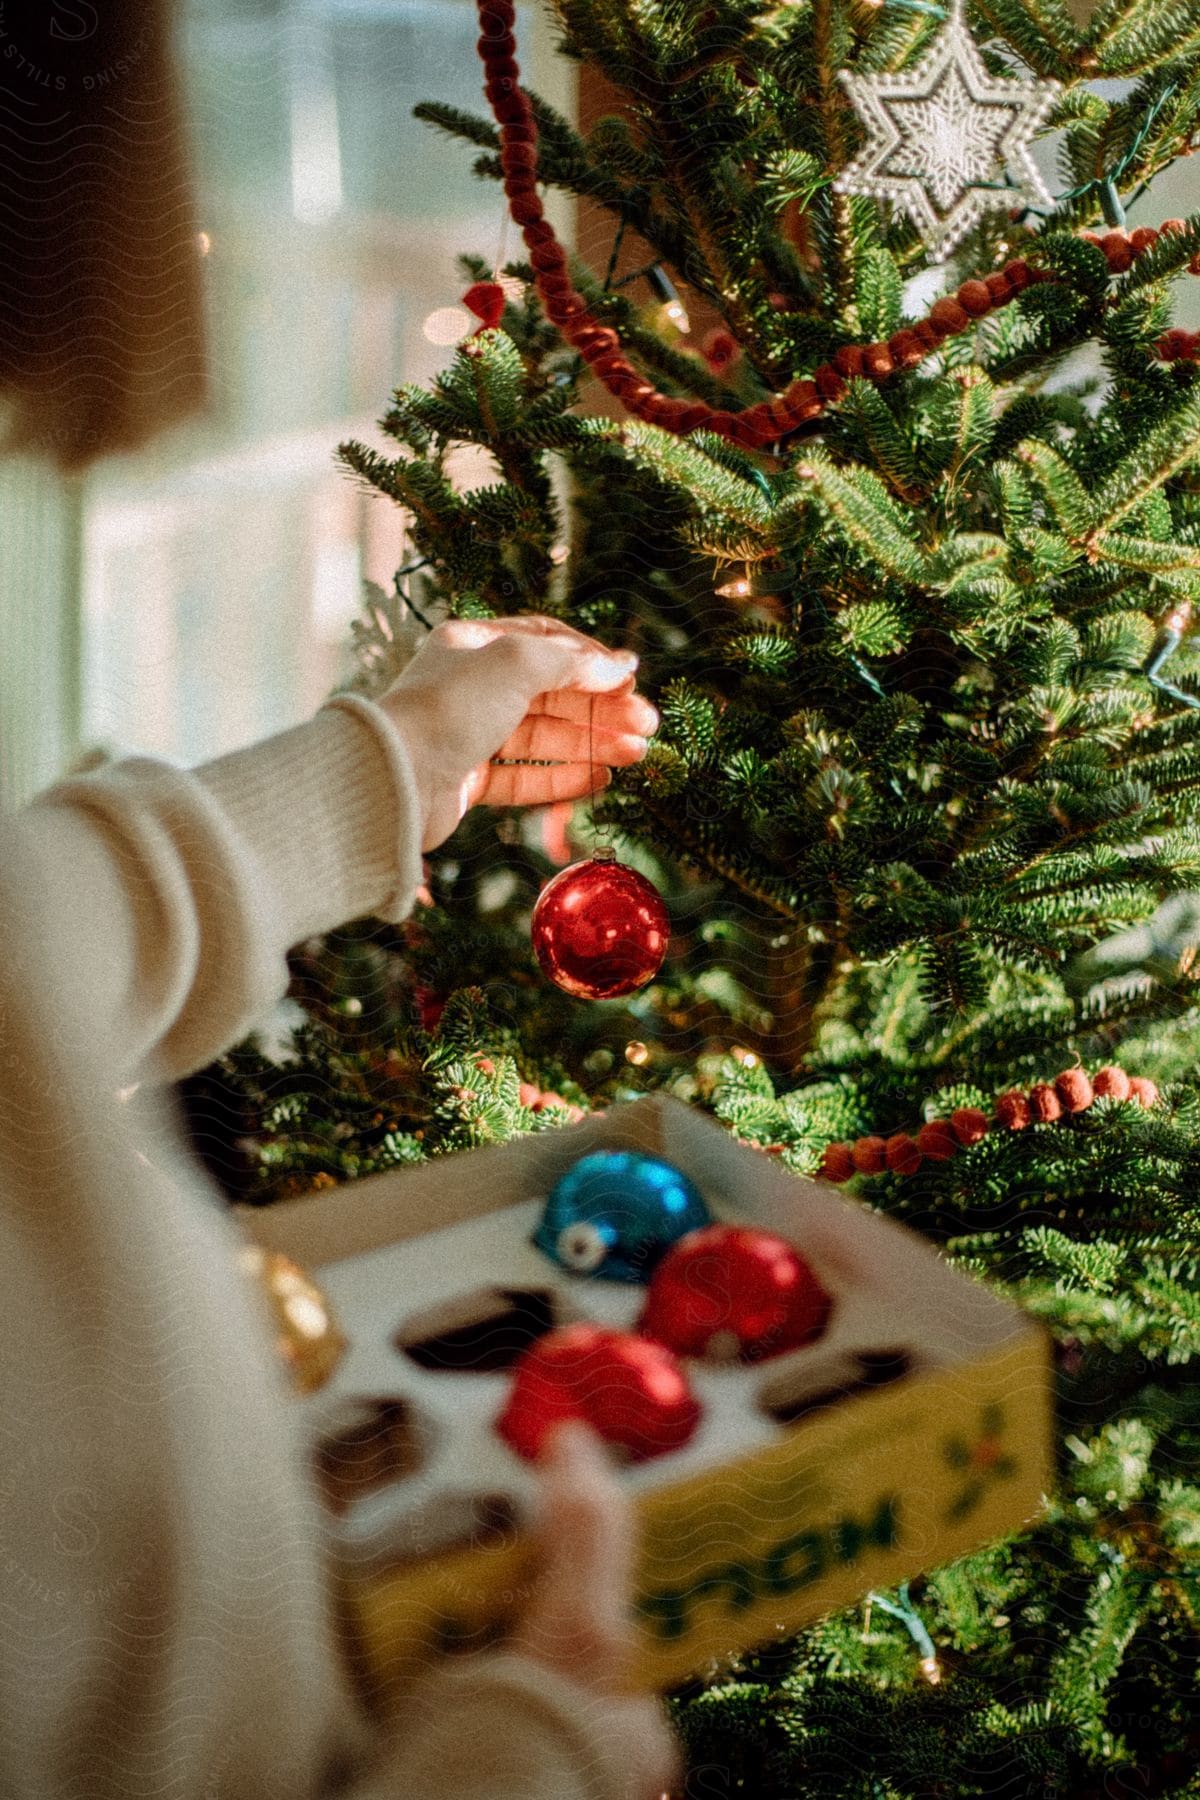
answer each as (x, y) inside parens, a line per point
(169, 1631)
(506, 1728)
(174, 894)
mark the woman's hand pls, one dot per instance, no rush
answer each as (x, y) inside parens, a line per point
(485, 701)
(577, 1622)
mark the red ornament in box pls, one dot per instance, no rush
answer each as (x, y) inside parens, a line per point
(600, 929)
(631, 1392)
(730, 1291)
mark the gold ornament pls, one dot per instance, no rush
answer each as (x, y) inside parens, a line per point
(307, 1336)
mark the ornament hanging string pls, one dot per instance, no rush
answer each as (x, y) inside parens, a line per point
(601, 836)
(805, 399)
(501, 246)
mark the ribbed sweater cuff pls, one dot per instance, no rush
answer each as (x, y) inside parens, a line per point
(597, 1744)
(330, 809)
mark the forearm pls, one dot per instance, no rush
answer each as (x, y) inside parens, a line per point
(175, 894)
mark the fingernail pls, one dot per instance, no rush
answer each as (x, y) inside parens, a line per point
(607, 670)
(626, 658)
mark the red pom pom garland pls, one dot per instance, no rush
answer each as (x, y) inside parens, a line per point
(969, 1125)
(1179, 346)
(869, 1155)
(1012, 1111)
(1046, 1103)
(1075, 1090)
(837, 1164)
(902, 1154)
(937, 1141)
(1110, 1083)
(764, 424)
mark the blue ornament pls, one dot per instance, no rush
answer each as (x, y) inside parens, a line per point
(614, 1213)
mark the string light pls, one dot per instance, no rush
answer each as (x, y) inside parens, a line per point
(756, 587)
(203, 242)
(1167, 640)
(559, 554)
(913, 1623)
(735, 587)
(672, 307)
(637, 1053)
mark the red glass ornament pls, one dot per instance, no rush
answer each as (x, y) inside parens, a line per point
(631, 1392)
(600, 929)
(730, 1291)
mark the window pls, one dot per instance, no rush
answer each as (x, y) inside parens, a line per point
(221, 568)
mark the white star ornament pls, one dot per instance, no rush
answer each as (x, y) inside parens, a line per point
(941, 134)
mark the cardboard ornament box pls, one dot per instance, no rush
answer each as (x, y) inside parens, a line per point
(917, 1428)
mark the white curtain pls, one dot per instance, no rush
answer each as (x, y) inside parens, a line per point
(41, 517)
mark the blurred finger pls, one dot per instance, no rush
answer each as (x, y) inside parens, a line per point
(586, 1528)
(468, 634)
(617, 710)
(539, 627)
(529, 785)
(531, 663)
(554, 740)
(577, 1622)
(542, 625)
(479, 631)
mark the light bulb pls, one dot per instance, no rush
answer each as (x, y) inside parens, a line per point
(735, 587)
(446, 324)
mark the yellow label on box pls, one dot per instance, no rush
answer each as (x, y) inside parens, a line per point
(861, 1496)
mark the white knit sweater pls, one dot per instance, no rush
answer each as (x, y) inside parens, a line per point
(164, 1625)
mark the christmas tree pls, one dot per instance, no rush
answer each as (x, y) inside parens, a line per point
(909, 567)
